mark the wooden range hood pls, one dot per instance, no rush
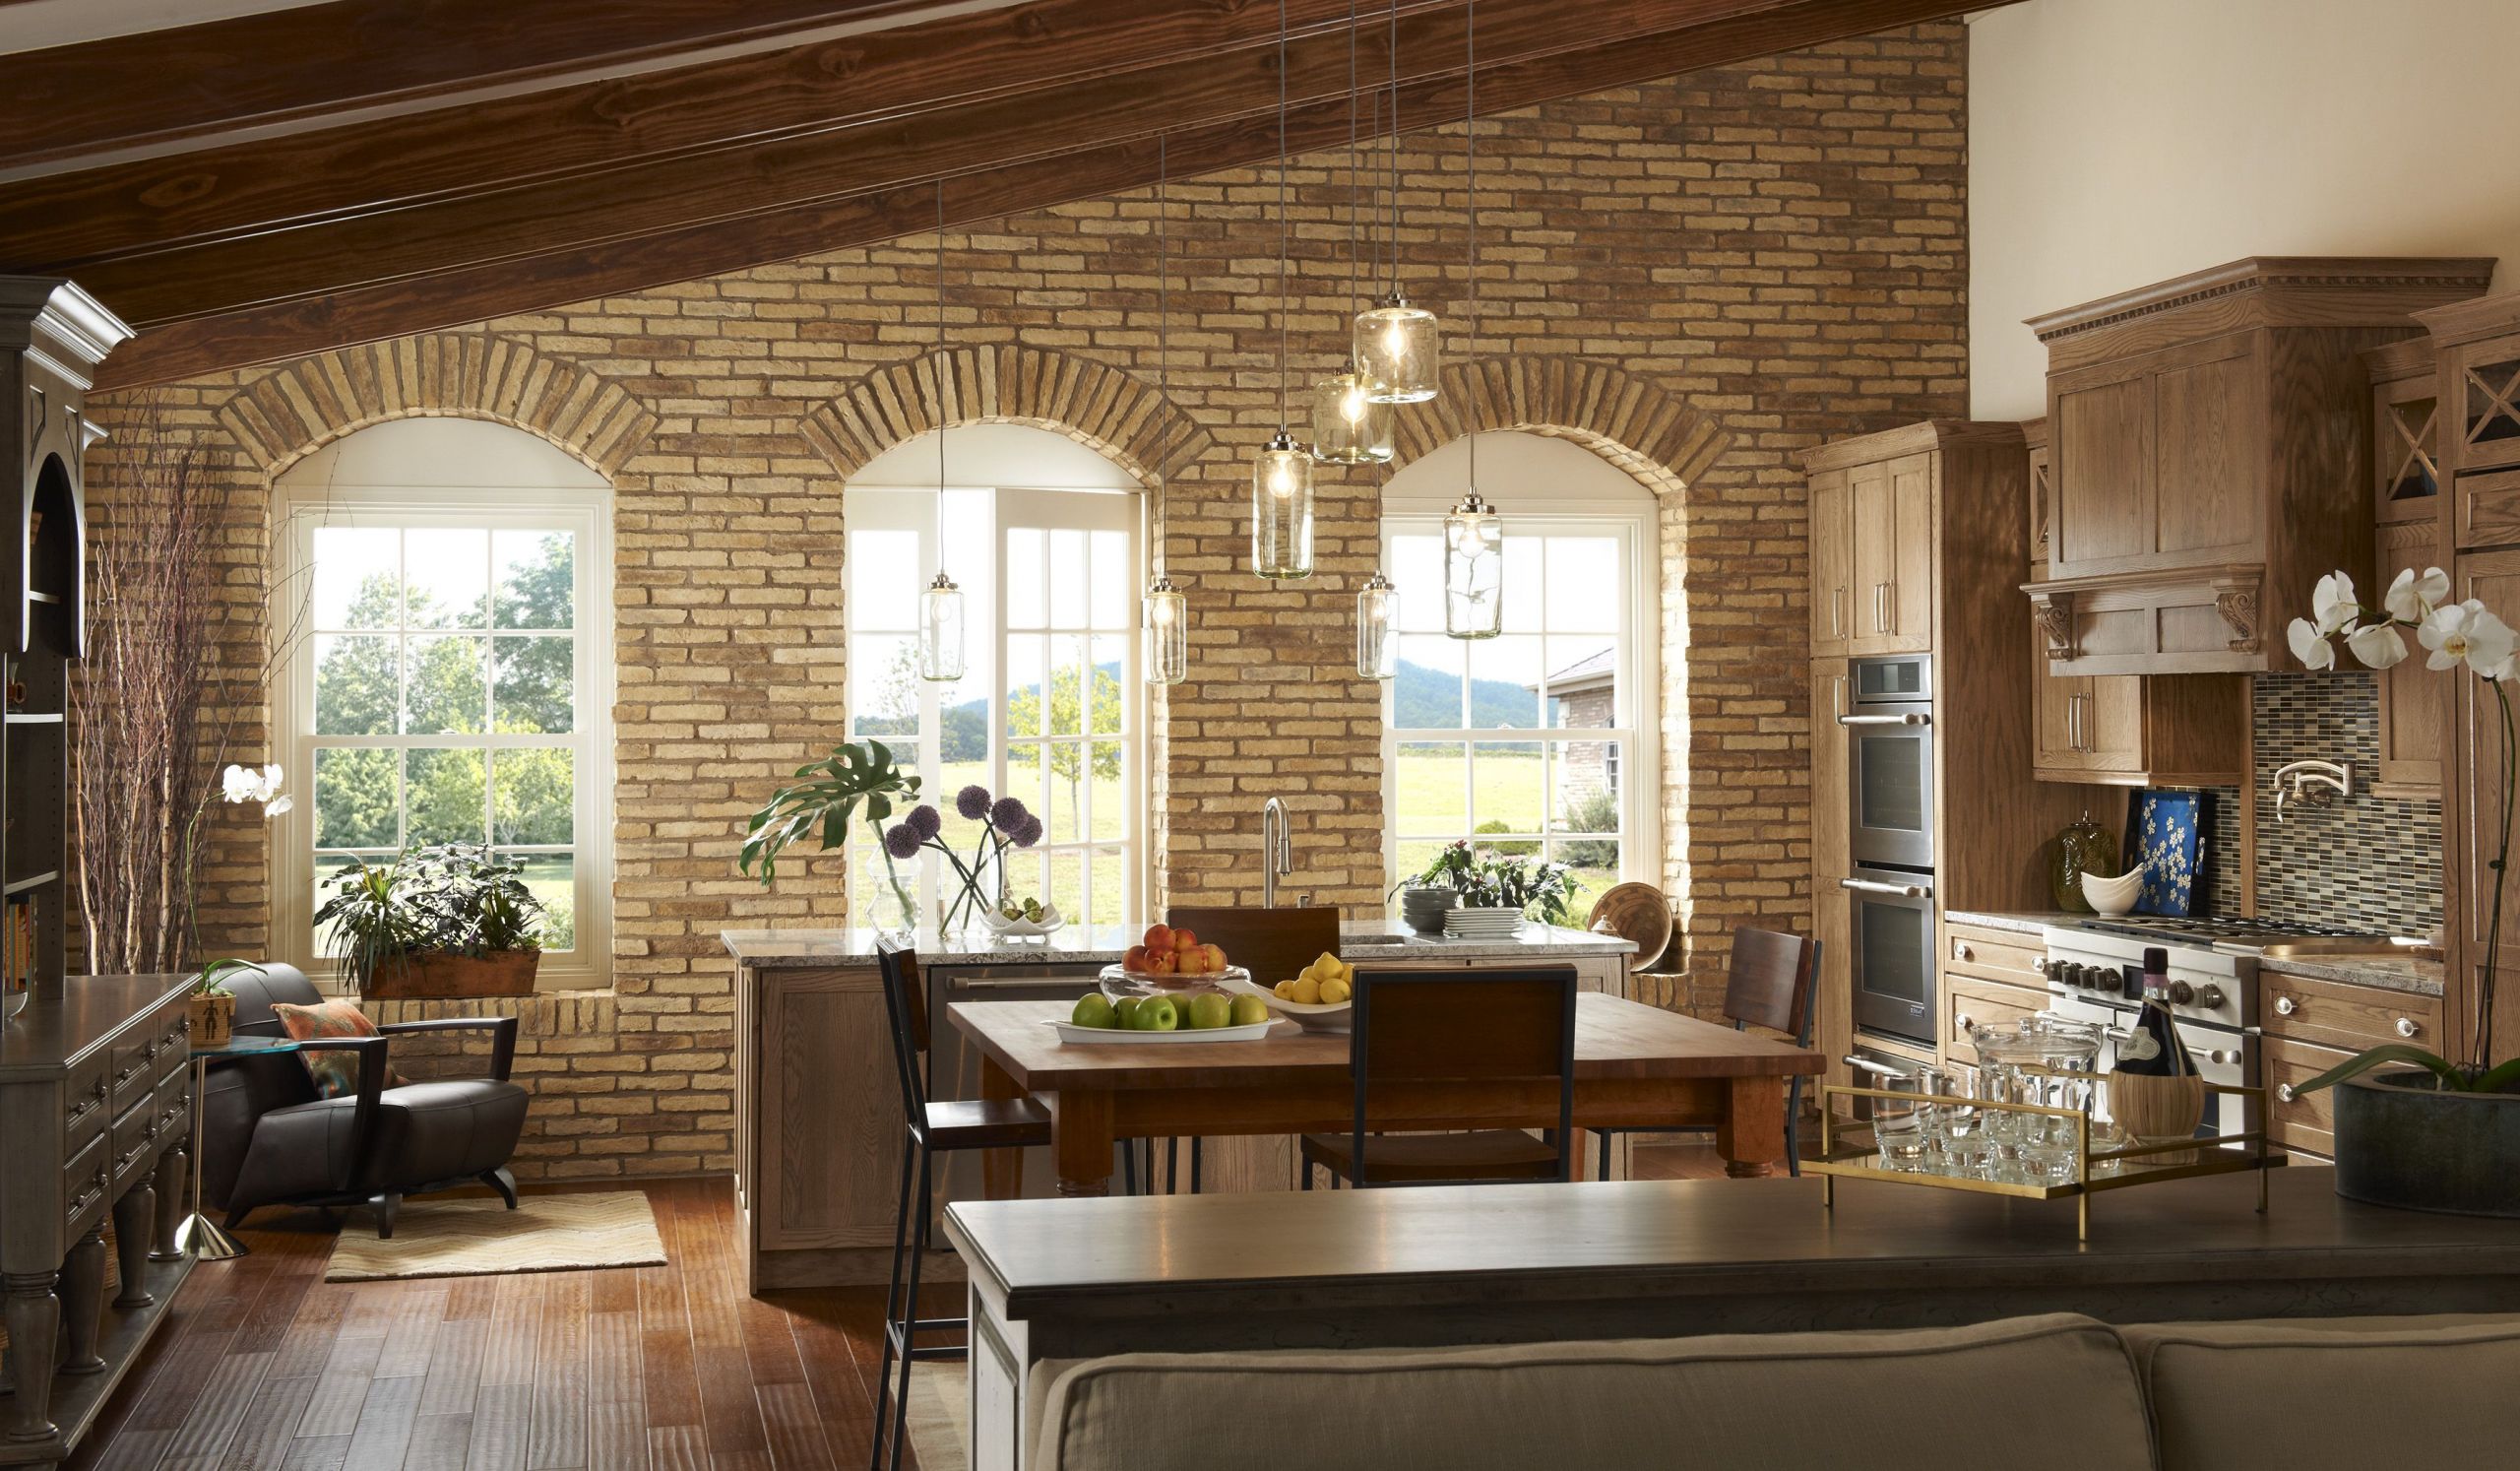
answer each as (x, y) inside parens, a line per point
(2211, 451)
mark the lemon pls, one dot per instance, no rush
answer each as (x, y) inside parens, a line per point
(1285, 991)
(1334, 990)
(1307, 991)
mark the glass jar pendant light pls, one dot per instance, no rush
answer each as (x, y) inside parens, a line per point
(1281, 506)
(1377, 615)
(940, 607)
(1349, 426)
(1399, 344)
(1474, 570)
(1165, 613)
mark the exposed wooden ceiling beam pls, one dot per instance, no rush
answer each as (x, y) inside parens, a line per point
(1009, 162)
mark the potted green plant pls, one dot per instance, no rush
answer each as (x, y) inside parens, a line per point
(1487, 879)
(854, 777)
(2414, 1129)
(214, 1005)
(448, 921)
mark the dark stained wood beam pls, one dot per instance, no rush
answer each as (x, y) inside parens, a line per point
(287, 64)
(520, 275)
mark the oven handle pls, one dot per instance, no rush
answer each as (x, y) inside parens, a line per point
(1866, 1065)
(1885, 720)
(1893, 890)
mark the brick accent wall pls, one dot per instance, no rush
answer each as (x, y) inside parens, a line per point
(1694, 279)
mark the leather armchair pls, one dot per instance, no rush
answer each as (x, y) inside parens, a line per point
(270, 1139)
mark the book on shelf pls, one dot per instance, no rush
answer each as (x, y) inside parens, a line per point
(18, 945)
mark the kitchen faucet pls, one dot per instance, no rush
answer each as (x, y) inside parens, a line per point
(1276, 850)
(2315, 783)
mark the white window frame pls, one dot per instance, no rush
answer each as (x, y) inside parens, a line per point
(1635, 526)
(588, 515)
(984, 579)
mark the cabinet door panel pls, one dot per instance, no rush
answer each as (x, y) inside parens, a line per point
(2058, 704)
(1829, 754)
(2113, 724)
(2415, 701)
(2103, 463)
(2205, 470)
(831, 1135)
(2493, 577)
(1910, 600)
(1877, 554)
(1832, 564)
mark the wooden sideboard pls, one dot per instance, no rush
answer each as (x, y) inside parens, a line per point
(95, 1106)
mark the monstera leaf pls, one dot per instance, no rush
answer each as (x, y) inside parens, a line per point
(855, 778)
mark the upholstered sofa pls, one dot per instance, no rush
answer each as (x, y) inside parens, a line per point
(2060, 1393)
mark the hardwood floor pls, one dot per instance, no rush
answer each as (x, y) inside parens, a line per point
(266, 1367)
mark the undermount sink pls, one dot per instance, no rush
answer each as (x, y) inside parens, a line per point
(2351, 950)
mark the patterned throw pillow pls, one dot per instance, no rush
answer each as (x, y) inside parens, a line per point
(334, 1072)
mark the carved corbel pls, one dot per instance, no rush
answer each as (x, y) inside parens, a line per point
(2053, 614)
(2236, 599)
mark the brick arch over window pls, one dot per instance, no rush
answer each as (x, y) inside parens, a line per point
(289, 414)
(1100, 406)
(1645, 431)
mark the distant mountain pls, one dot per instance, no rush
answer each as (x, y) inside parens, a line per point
(1422, 697)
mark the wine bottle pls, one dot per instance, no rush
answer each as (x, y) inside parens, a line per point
(2153, 1047)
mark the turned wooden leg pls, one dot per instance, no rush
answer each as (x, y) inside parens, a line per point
(34, 1316)
(135, 1216)
(1751, 1137)
(82, 1302)
(168, 1183)
(1080, 1142)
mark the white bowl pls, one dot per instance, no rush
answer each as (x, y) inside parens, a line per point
(1315, 1018)
(999, 924)
(2114, 896)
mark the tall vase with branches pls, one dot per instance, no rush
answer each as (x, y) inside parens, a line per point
(176, 663)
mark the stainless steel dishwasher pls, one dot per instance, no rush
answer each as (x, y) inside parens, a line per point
(954, 1064)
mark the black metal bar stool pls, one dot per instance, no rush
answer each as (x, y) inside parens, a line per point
(934, 1129)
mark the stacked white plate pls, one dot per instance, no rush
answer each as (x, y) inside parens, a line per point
(1481, 923)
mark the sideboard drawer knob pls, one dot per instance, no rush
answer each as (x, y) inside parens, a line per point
(2284, 1091)
(2286, 1005)
(2406, 1026)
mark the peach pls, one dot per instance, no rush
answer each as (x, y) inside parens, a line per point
(1190, 962)
(1216, 958)
(1135, 959)
(1159, 963)
(1158, 937)
(1183, 940)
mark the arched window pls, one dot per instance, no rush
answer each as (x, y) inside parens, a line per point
(1045, 538)
(1543, 740)
(449, 675)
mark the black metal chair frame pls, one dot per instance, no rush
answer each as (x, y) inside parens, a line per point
(1793, 1090)
(1368, 982)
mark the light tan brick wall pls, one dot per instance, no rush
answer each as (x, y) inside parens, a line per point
(1775, 252)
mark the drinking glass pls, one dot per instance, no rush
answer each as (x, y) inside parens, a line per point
(1900, 1125)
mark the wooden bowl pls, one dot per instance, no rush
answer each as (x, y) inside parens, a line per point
(1638, 914)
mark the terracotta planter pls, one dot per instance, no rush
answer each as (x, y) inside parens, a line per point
(440, 973)
(2402, 1143)
(214, 1018)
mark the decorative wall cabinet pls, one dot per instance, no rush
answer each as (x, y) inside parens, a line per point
(2407, 502)
(2207, 438)
(1873, 557)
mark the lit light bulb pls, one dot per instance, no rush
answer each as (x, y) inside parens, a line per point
(1281, 480)
(1352, 403)
(1394, 341)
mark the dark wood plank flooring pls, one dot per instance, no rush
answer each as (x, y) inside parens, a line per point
(266, 1367)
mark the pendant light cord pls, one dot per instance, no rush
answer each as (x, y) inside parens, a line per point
(1281, 216)
(1356, 195)
(1163, 337)
(1470, 146)
(941, 368)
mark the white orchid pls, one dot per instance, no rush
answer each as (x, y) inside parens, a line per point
(2410, 599)
(2334, 604)
(244, 783)
(2311, 646)
(2467, 633)
(2378, 645)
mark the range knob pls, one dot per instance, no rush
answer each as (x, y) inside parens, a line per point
(2180, 993)
(2210, 996)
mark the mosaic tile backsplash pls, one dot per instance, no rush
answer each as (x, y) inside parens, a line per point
(2366, 862)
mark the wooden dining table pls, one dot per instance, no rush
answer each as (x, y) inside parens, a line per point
(1636, 1066)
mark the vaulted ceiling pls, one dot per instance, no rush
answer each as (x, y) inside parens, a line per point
(269, 184)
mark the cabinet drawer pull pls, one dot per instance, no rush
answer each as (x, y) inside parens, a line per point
(2286, 1006)
(1881, 607)
(2406, 1027)
(89, 1103)
(1963, 1022)
(2284, 1093)
(88, 1196)
(1959, 950)
(1838, 611)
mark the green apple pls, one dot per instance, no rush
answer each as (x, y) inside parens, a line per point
(1126, 1012)
(1157, 1015)
(1211, 1010)
(1094, 1010)
(1247, 1010)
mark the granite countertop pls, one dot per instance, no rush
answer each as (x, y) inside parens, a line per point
(2421, 978)
(1104, 944)
(2019, 924)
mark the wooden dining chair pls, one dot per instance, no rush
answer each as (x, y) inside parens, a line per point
(1273, 944)
(933, 1129)
(1770, 983)
(1484, 1030)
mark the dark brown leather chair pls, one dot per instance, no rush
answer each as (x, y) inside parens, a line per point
(268, 1139)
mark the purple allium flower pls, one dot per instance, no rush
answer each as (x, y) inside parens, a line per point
(902, 841)
(1008, 815)
(924, 820)
(971, 801)
(1029, 834)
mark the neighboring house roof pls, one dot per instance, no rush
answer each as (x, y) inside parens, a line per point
(1593, 671)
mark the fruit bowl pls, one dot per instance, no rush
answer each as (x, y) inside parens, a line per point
(1121, 980)
(1315, 1018)
(1000, 924)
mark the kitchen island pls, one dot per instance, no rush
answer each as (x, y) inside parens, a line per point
(818, 1120)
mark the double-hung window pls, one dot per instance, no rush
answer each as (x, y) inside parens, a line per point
(450, 682)
(1539, 741)
(1049, 710)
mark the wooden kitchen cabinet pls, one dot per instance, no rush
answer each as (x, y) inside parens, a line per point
(2133, 731)
(1829, 791)
(2492, 577)
(1892, 509)
(2208, 444)
(1832, 564)
(2407, 536)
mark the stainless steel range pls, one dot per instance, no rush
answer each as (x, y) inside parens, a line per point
(2096, 974)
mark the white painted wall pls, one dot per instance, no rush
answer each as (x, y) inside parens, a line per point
(439, 453)
(1009, 456)
(1518, 472)
(2114, 143)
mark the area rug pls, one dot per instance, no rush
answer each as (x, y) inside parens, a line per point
(483, 1238)
(940, 1427)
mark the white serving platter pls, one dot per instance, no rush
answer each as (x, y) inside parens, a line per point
(1075, 1036)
